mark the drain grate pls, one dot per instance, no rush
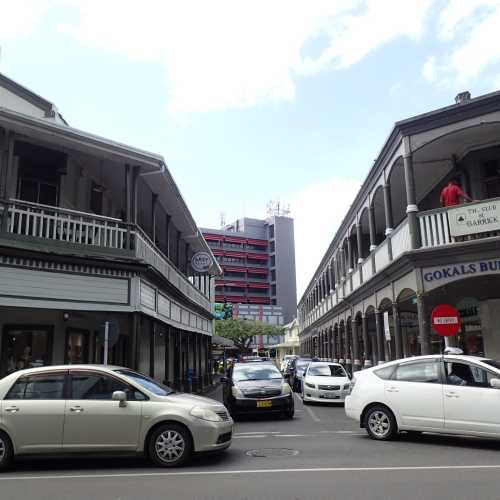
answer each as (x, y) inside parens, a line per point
(272, 452)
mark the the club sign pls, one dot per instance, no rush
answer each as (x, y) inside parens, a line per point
(201, 262)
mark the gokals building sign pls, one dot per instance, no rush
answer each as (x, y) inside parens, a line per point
(435, 277)
(474, 218)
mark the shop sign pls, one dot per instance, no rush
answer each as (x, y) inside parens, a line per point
(437, 276)
(387, 328)
(474, 218)
(201, 262)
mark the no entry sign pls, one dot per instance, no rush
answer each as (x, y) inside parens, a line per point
(445, 320)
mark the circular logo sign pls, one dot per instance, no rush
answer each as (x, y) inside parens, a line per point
(201, 262)
(445, 320)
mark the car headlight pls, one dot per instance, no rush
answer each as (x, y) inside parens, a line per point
(236, 392)
(205, 414)
(286, 389)
(347, 386)
(312, 386)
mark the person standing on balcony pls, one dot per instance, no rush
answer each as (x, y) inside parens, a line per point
(452, 194)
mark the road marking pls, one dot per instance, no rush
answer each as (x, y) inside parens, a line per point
(253, 471)
(291, 435)
(255, 432)
(251, 437)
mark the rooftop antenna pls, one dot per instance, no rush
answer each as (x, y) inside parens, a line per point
(222, 219)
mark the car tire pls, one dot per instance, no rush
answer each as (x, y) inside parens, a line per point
(380, 423)
(6, 451)
(170, 445)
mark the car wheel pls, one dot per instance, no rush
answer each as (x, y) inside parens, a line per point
(6, 451)
(380, 423)
(170, 445)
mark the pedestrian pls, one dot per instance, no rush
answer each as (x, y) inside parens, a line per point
(452, 194)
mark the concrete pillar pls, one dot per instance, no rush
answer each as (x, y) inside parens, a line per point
(371, 226)
(411, 201)
(380, 336)
(364, 331)
(398, 340)
(154, 203)
(350, 266)
(331, 275)
(423, 325)
(388, 218)
(178, 256)
(134, 194)
(359, 242)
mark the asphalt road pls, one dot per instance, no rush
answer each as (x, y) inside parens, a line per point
(319, 455)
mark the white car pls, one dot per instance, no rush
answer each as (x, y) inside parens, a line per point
(325, 382)
(452, 394)
(105, 409)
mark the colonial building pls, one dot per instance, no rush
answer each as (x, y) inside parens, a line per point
(397, 253)
(93, 232)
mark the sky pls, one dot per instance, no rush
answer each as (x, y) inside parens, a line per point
(254, 100)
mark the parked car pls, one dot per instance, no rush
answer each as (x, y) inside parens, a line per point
(325, 382)
(296, 372)
(450, 394)
(257, 388)
(95, 408)
(287, 358)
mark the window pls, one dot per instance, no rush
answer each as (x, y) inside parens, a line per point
(44, 386)
(423, 371)
(100, 387)
(385, 373)
(465, 374)
(147, 383)
(326, 371)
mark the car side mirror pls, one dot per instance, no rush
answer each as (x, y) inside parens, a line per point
(495, 383)
(121, 397)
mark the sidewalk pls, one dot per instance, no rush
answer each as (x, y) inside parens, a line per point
(211, 389)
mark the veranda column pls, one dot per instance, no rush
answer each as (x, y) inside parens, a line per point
(367, 353)
(356, 364)
(380, 336)
(423, 325)
(388, 217)
(411, 197)
(398, 340)
(359, 243)
(371, 226)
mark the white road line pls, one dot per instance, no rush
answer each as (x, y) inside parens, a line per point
(255, 436)
(253, 471)
(255, 432)
(292, 435)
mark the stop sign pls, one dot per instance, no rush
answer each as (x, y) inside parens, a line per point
(445, 320)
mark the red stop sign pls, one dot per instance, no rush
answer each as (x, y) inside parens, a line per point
(445, 320)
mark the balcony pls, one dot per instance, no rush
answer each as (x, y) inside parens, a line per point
(70, 230)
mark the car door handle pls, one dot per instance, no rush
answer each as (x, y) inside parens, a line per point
(76, 409)
(12, 409)
(451, 395)
(392, 389)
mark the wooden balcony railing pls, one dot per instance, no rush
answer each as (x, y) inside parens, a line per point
(32, 220)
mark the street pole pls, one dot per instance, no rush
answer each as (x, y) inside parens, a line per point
(106, 342)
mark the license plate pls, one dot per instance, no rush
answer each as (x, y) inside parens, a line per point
(264, 404)
(330, 395)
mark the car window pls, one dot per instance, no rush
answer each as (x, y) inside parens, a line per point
(148, 383)
(385, 373)
(87, 385)
(423, 371)
(464, 374)
(326, 371)
(41, 386)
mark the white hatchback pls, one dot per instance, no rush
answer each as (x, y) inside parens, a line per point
(452, 394)
(325, 382)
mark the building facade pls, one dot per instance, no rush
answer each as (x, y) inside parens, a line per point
(290, 343)
(398, 254)
(258, 262)
(95, 232)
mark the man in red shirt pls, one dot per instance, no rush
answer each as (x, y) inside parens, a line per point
(452, 194)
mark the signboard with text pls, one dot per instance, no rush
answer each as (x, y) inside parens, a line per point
(445, 320)
(474, 218)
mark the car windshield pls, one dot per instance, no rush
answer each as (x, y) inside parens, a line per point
(492, 362)
(326, 371)
(302, 363)
(146, 382)
(256, 372)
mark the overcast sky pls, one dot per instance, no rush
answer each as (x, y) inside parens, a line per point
(250, 101)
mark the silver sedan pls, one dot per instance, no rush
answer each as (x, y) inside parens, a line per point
(95, 408)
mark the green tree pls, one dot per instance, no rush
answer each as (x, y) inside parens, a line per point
(242, 331)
